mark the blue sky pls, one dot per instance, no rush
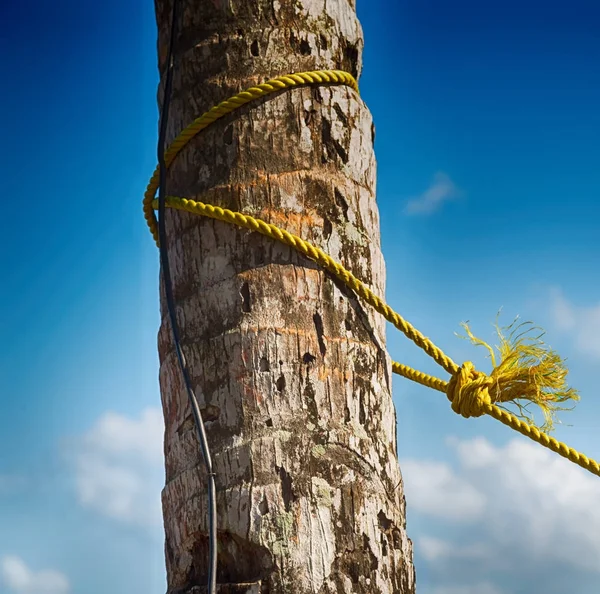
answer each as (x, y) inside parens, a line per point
(487, 146)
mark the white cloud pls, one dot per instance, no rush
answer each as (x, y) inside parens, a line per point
(580, 322)
(119, 467)
(441, 190)
(538, 499)
(435, 490)
(538, 514)
(20, 579)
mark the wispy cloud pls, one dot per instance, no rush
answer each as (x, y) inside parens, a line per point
(441, 190)
(119, 467)
(20, 579)
(582, 323)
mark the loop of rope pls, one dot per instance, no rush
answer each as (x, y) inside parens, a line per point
(280, 83)
(470, 391)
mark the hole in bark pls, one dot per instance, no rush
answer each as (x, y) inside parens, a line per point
(302, 46)
(341, 151)
(307, 358)
(254, 49)
(332, 146)
(311, 403)
(240, 32)
(305, 48)
(269, 422)
(228, 135)
(340, 114)
(341, 202)
(362, 416)
(264, 364)
(245, 293)
(323, 40)
(346, 415)
(280, 362)
(263, 506)
(384, 546)
(348, 325)
(354, 571)
(318, 322)
(351, 53)
(280, 383)
(286, 487)
(397, 539)
(327, 228)
(384, 522)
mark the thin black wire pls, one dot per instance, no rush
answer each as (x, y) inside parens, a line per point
(164, 258)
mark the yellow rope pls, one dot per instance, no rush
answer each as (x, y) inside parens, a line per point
(471, 392)
(300, 79)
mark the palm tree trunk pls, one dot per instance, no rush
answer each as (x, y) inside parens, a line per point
(291, 370)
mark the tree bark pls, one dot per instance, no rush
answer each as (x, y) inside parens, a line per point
(290, 369)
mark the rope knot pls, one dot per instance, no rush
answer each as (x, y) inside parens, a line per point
(469, 391)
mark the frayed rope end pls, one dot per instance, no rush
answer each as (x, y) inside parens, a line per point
(529, 372)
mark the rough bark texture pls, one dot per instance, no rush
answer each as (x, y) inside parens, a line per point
(291, 370)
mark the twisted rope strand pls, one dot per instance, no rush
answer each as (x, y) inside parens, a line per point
(468, 389)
